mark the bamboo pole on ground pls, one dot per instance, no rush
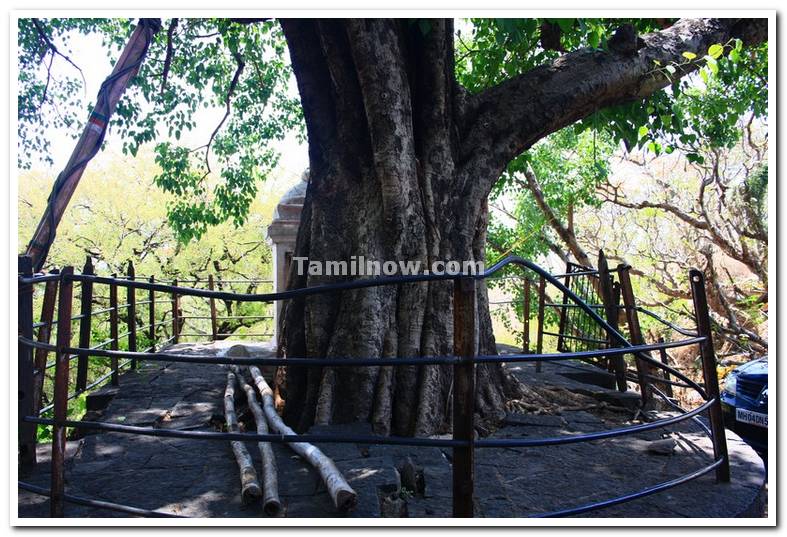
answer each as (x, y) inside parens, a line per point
(271, 503)
(343, 496)
(250, 486)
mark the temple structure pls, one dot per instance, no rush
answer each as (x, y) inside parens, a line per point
(282, 233)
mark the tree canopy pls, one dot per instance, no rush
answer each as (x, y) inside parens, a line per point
(242, 67)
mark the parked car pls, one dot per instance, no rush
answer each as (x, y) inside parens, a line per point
(744, 401)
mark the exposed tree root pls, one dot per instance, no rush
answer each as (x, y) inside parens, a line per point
(555, 400)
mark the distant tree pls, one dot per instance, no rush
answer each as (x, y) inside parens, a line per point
(136, 230)
(708, 215)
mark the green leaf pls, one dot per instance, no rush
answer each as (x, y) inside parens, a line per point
(566, 25)
(712, 64)
(715, 51)
(689, 55)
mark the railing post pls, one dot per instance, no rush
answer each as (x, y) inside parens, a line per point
(152, 316)
(27, 431)
(611, 303)
(113, 327)
(62, 359)
(710, 375)
(635, 334)
(131, 310)
(564, 311)
(213, 326)
(542, 291)
(665, 360)
(44, 335)
(526, 316)
(464, 395)
(175, 313)
(86, 307)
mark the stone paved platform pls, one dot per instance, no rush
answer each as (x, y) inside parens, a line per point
(200, 479)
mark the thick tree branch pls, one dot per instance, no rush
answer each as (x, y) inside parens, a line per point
(565, 233)
(661, 205)
(170, 53)
(507, 119)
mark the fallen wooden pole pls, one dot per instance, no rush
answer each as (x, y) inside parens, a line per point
(250, 486)
(271, 503)
(343, 496)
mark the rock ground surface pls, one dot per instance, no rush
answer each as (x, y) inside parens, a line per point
(200, 479)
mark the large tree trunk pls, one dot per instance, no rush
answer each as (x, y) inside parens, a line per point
(380, 103)
(402, 160)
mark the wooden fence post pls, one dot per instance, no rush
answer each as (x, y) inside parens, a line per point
(542, 291)
(113, 326)
(152, 316)
(61, 393)
(44, 335)
(607, 292)
(564, 313)
(526, 317)
(464, 395)
(131, 299)
(710, 375)
(635, 334)
(213, 325)
(27, 431)
(665, 360)
(86, 307)
(616, 300)
(621, 315)
(175, 313)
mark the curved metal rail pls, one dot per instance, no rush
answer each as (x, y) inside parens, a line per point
(100, 504)
(700, 337)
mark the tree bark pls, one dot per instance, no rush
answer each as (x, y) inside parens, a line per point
(402, 160)
(380, 103)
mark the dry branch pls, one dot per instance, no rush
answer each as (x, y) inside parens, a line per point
(342, 494)
(250, 486)
(271, 503)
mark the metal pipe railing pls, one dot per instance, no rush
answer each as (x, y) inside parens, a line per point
(463, 361)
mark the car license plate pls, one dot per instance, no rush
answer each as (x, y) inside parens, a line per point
(754, 418)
